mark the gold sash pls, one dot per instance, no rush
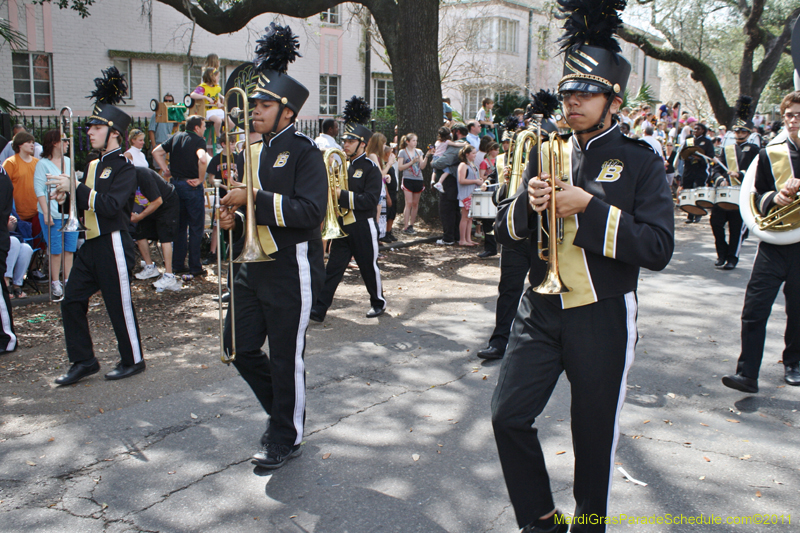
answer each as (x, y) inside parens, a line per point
(733, 163)
(264, 232)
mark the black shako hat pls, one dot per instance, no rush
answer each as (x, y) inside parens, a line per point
(109, 90)
(743, 122)
(592, 60)
(275, 50)
(356, 114)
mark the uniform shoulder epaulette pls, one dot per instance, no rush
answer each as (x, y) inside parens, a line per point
(306, 137)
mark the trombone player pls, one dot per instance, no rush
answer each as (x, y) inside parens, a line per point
(777, 182)
(272, 299)
(617, 216)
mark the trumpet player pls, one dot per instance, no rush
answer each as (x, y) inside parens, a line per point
(777, 182)
(272, 299)
(105, 261)
(617, 217)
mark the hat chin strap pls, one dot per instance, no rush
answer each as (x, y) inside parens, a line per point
(601, 124)
(274, 131)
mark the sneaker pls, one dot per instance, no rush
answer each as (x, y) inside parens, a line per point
(442, 242)
(149, 271)
(161, 282)
(410, 231)
(171, 284)
(438, 187)
(274, 456)
(57, 289)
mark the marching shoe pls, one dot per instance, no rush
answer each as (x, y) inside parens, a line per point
(226, 297)
(741, 383)
(485, 254)
(316, 316)
(719, 263)
(122, 372)
(792, 374)
(78, 371)
(729, 266)
(491, 352)
(274, 456)
(549, 525)
(375, 312)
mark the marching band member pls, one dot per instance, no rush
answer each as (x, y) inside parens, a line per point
(618, 217)
(737, 158)
(364, 189)
(695, 167)
(777, 182)
(515, 259)
(272, 299)
(105, 261)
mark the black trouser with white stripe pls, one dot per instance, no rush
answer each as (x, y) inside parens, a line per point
(272, 301)
(8, 338)
(774, 265)
(361, 243)
(102, 264)
(594, 345)
(514, 266)
(727, 249)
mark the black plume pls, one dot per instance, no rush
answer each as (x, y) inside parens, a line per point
(356, 111)
(544, 103)
(276, 49)
(110, 88)
(511, 124)
(743, 105)
(593, 22)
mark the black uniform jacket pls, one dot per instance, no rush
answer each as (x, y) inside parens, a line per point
(106, 194)
(363, 189)
(776, 164)
(696, 167)
(737, 158)
(627, 225)
(293, 189)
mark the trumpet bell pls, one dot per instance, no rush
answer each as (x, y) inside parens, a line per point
(552, 284)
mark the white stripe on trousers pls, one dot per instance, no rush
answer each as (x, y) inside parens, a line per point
(630, 351)
(5, 318)
(304, 271)
(374, 232)
(125, 293)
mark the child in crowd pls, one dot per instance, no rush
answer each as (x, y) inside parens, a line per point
(210, 91)
(439, 149)
(134, 154)
(410, 163)
(468, 179)
(485, 117)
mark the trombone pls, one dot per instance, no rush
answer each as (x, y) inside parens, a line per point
(252, 252)
(552, 284)
(337, 178)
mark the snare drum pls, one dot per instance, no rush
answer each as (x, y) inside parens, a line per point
(728, 198)
(704, 197)
(482, 205)
(687, 200)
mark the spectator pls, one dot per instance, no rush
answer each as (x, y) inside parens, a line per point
(52, 158)
(212, 61)
(390, 179)
(686, 130)
(488, 172)
(188, 164)
(440, 147)
(625, 129)
(8, 340)
(669, 163)
(468, 180)
(210, 92)
(157, 222)
(159, 132)
(625, 116)
(327, 139)
(218, 170)
(473, 138)
(485, 117)
(648, 131)
(134, 153)
(449, 212)
(20, 168)
(410, 164)
(8, 150)
(19, 257)
(447, 110)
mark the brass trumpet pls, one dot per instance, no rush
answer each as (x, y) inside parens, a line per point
(337, 178)
(552, 284)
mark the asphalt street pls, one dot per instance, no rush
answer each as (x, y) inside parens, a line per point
(398, 434)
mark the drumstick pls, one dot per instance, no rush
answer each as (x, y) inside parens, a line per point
(715, 160)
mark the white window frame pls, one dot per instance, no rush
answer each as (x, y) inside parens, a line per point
(544, 40)
(379, 102)
(118, 62)
(472, 100)
(326, 79)
(494, 34)
(31, 80)
(331, 15)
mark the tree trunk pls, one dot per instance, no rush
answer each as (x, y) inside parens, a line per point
(410, 34)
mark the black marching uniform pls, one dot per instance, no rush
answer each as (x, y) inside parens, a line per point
(695, 169)
(590, 332)
(361, 243)
(105, 261)
(273, 299)
(774, 265)
(8, 338)
(737, 158)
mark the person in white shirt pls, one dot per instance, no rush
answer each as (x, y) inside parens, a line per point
(473, 137)
(327, 139)
(134, 154)
(652, 141)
